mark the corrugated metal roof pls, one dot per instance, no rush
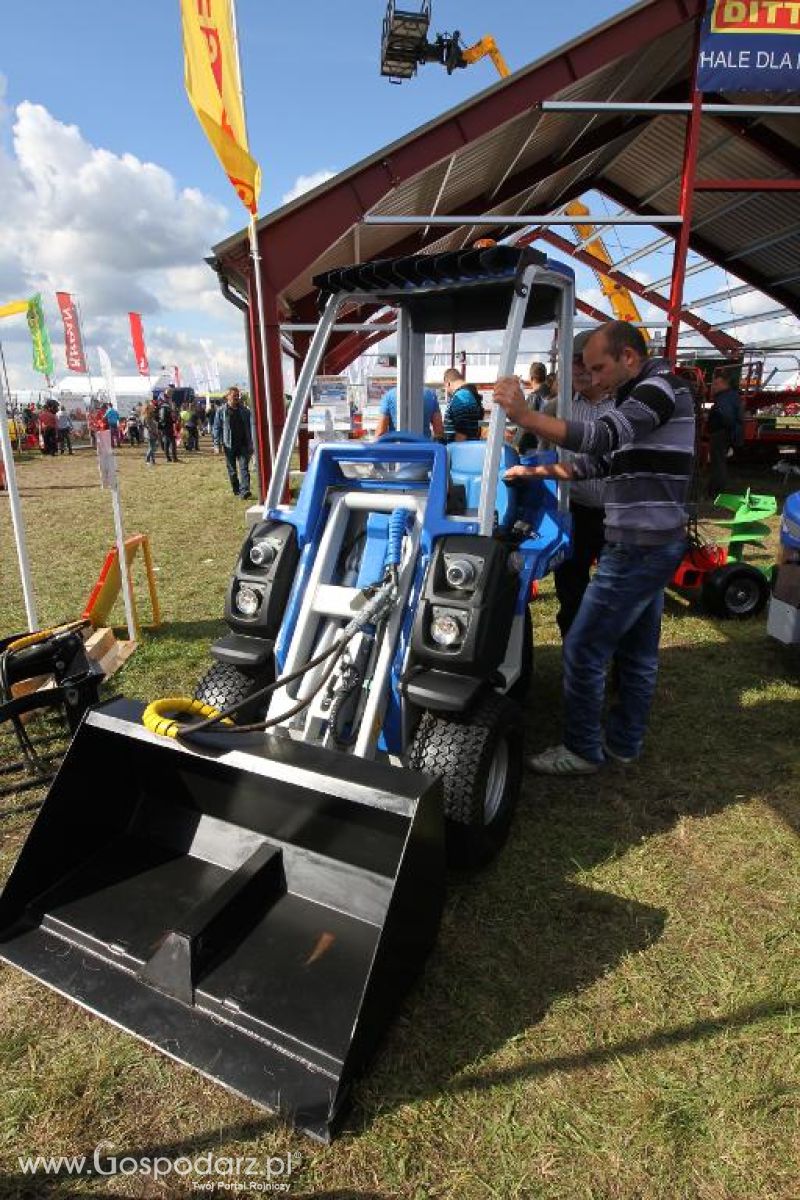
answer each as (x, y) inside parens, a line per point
(499, 153)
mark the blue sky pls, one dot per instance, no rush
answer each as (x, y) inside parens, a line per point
(315, 99)
(108, 187)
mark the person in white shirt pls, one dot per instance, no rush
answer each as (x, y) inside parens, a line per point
(64, 430)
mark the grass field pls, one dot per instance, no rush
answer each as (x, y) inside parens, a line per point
(611, 1012)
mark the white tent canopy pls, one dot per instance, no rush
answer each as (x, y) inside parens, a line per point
(131, 388)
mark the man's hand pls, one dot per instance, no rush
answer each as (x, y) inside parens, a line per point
(545, 471)
(520, 473)
(508, 394)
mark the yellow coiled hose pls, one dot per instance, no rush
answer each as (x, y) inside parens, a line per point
(41, 635)
(159, 716)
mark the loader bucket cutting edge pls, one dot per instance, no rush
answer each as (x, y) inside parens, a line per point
(255, 912)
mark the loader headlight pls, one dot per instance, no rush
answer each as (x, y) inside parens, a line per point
(460, 573)
(247, 601)
(262, 553)
(446, 629)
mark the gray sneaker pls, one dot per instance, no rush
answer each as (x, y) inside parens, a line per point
(559, 760)
(625, 760)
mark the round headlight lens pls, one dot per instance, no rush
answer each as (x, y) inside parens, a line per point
(461, 573)
(262, 553)
(247, 601)
(446, 630)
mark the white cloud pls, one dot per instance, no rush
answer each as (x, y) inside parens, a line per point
(118, 233)
(306, 183)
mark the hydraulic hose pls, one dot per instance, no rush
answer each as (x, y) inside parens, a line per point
(156, 714)
(41, 635)
(397, 529)
(159, 717)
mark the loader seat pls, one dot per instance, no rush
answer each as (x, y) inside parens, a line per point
(465, 460)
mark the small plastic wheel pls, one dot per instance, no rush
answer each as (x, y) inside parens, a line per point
(224, 685)
(736, 591)
(478, 756)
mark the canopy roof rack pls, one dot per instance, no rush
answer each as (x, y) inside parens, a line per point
(461, 291)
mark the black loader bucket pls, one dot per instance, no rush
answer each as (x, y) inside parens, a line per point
(255, 910)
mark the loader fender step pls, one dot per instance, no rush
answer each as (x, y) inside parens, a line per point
(239, 650)
(442, 691)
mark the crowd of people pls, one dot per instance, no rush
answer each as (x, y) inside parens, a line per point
(49, 426)
(171, 419)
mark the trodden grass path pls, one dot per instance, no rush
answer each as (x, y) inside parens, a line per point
(610, 1012)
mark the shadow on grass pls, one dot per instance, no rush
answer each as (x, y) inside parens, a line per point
(520, 936)
(28, 490)
(693, 1031)
(188, 631)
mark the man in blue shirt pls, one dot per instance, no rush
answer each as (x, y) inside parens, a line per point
(464, 412)
(432, 417)
(112, 417)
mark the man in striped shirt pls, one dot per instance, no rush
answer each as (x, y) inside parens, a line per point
(644, 449)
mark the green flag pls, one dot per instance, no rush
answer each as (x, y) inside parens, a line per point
(42, 353)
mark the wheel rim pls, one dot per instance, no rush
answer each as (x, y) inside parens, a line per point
(741, 596)
(496, 783)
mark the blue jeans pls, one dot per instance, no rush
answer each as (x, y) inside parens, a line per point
(620, 618)
(233, 459)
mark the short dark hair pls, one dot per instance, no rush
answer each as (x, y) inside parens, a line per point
(579, 342)
(621, 335)
(727, 374)
(537, 372)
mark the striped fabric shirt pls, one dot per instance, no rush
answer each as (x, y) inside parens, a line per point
(589, 492)
(463, 415)
(644, 449)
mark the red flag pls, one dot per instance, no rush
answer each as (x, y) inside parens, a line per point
(76, 359)
(137, 337)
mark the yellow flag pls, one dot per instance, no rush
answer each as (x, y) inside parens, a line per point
(212, 85)
(16, 306)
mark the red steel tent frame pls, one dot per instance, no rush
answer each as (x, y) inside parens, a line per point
(331, 224)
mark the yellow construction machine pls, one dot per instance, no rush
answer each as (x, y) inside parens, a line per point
(405, 45)
(618, 296)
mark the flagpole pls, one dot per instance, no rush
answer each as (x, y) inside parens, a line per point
(16, 510)
(85, 352)
(255, 255)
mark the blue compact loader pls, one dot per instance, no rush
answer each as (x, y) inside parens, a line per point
(264, 881)
(783, 620)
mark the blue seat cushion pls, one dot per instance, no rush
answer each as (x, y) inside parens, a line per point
(466, 461)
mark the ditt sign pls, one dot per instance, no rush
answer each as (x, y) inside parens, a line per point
(750, 46)
(759, 16)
